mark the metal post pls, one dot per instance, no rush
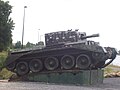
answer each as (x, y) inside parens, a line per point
(23, 25)
(38, 35)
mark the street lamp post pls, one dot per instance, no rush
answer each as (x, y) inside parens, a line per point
(38, 35)
(41, 37)
(23, 25)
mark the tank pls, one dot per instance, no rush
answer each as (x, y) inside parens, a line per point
(63, 51)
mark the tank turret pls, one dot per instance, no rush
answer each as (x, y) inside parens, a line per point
(69, 36)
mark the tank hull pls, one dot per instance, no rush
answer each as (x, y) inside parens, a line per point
(59, 59)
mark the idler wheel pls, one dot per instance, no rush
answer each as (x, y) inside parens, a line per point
(83, 61)
(36, 65)
(67, 62)
(11, 66)
(51, 63)
(22, 68)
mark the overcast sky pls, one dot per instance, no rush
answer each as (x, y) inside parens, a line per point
(90, 16)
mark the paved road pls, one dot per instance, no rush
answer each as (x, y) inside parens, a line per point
(109, 84)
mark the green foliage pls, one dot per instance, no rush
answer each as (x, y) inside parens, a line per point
(5, 74)
(111, 69)
(113, 66)
(108, 70)
(29, 45)
(3, 56)
(18, 45)
(41, 43)
(2, 59)
(6, 25)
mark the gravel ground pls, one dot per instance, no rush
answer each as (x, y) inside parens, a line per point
(109, 84)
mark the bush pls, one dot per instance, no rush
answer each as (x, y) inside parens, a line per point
(4, 74)
(3, 56)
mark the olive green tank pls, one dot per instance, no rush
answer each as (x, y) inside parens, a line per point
(63, 51)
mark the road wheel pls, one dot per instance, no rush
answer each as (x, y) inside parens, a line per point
(11, 66)
(22, 68)
(67, 62)
(51, 63)
(83, 61)
(36, 65)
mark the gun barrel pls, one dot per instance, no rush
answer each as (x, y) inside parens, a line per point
(90, 36)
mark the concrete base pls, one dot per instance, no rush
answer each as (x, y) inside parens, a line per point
(81, 77)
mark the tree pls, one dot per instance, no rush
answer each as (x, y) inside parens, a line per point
(6, 25)
(18, 45)
(40, 43)
(29, 45)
